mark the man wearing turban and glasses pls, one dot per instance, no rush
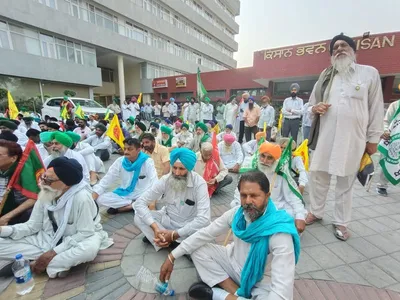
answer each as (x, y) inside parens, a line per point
(186, 203)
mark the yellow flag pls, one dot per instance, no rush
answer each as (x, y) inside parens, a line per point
(12, 108)
(64, 113)
(216, 129)
(139, 100)
(265, 126)
(107, 116)
(79, 112)
(302, 151)
(114, 131)
(280, 121)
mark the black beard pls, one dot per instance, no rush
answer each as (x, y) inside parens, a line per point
(251, 105)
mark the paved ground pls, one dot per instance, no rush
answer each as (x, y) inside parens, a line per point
(367, 266)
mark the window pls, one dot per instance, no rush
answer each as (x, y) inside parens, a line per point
(48, 46)
(54, 102)
(89, 56)
(24, 40)
(252, 92)
(216, 94)
(4, 41)
(62, 49)
(107, 75)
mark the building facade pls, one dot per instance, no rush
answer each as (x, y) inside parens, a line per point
(274, 70)
(106, 48)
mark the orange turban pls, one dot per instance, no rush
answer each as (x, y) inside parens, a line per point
(259, 135)
(271, 148)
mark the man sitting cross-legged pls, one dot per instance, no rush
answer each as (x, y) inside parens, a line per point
(212, 170)
(264, 239)
(64, 228)
(137, 174)
(231, 153)
(187, 205)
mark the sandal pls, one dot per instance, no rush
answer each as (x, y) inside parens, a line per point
(311, 219)
(341, 232)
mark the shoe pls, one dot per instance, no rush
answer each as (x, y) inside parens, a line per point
(112, 211)
(200, 291)
(5, 268)
(382, 192)
(145, 240)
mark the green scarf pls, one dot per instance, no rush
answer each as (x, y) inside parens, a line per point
(167, 143)
(205, 138)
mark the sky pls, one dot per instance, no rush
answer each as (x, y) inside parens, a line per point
(265, 24)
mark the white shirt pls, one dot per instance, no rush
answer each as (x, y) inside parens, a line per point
(307, 115)
(134, 108)
(148, 109)
(242, 107)
(282, 196)
(92, 124)
(147, 177)
(296, 107)
(235, 156)
(355, 118)
(72, 154)
(157, 109)
(193, 111)
(98, 143)
(42, 151)
(173, 109)
(277, 283)
(250, 147)
(189, 210)
(185, 138)
(207, 111)
(165, 111)
(298, 166)
(22, 138)
(267, 116)
(84, 133)
(80, 226)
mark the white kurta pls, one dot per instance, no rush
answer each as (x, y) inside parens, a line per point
(72, 154)
(165, 111)
(267, 116)
(99, 143)
(93, 162)
(220, 136)
(186, 212)
(84, 133)
(235, 156)
(215, 263)
(126, 112)
(82, 239)
(250, 147)
(134, 108)
(298, 166)
(185, 138)
(173, 109)
(185, 111)
(147, 177)
(22, 138)
(207, 112)
(193, 112)
(282, 197)
(230, 113)
(355, 118)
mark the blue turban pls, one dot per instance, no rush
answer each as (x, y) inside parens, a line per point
(229, 126)
(187, 157)
(172, 99)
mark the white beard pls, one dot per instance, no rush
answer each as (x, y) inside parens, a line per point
(48, 194)
(342, 64)
(197, 139)
(56, 154)
(268, 170)
(227, 149)
(178, 185)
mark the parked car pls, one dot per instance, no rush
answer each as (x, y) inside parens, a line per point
(52, 107)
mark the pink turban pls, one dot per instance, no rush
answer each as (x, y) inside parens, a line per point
(229, 138)
(178, 124)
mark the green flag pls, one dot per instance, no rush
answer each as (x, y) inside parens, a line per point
(283, 169)
(201, 90)
(390, 163)
(26, 176)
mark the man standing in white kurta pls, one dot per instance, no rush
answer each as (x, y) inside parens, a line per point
(187, 205)
(64, 228)
(137, 174)
(259, 263)
(351, 123)
(230, 111)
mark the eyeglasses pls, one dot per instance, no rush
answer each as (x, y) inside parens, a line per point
(48, 181)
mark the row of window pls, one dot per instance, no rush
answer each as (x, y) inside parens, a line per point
(17, 38)
(89, 13)
(163, 13)
(209, 16)
(225, 9)
(150, 71)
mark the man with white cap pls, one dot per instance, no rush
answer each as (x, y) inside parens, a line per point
(64, 229)
(292, 111)
(187, 205)
(136, 172)
(349, 101)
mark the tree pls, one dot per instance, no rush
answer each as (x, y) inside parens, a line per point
(3, 93)
(69, 93)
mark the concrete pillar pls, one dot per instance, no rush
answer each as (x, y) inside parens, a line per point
(91, 94)
(121, 79)
(146, 98)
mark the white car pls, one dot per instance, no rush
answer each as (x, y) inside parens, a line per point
(52, 107)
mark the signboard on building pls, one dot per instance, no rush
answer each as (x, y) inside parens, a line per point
(159, 83)
(180, 82)
(362, 44)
